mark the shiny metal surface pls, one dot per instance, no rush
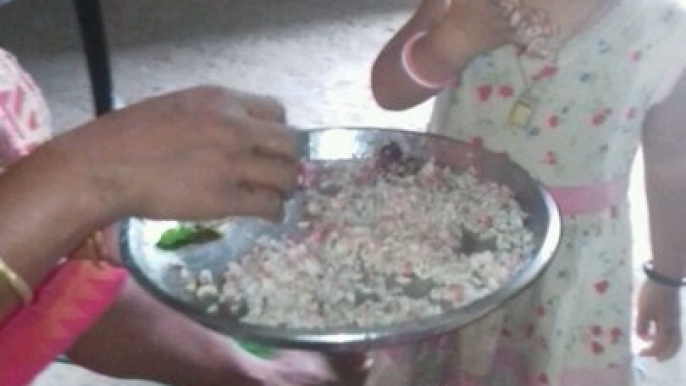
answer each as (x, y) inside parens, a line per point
(151, 266)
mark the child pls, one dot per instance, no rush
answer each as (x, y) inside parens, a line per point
(567, 89)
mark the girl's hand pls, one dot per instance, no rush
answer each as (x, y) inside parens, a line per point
(658, 320)
(197, 154)
(471, 27)
(451, 34)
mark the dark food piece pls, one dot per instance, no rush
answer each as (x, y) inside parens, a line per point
(390, 153)
(391, 159)
(409, 166)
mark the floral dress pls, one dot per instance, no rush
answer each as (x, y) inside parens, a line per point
(575, 124)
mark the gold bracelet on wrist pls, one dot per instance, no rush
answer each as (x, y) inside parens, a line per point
(16, 283)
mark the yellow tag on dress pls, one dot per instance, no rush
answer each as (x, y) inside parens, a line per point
(521, 113)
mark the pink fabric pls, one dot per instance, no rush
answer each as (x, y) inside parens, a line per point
(67, 304)
(574, 200)
(77, 293)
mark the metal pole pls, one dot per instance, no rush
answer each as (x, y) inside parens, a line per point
(94, 39)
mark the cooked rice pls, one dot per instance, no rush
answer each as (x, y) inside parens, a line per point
(377, 249)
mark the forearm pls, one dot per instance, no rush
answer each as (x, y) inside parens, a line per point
(46, 211)
(395, 90)
(432, 56)
(666, 189)
(455, 33)
(664, 141)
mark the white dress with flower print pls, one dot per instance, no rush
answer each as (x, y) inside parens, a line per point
(572, 327)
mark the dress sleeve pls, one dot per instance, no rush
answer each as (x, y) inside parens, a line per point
(24, 116)
(673, 54)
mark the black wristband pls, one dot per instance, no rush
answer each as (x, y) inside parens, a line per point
(661, 279)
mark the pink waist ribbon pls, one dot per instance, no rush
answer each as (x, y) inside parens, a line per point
(75, 295)
(588, 199)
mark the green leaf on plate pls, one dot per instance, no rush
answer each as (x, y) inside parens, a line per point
(182, 236)
(257, 350)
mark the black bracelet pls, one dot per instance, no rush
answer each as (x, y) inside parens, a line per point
(661, 279)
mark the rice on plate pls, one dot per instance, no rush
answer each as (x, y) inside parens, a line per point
(381, 241)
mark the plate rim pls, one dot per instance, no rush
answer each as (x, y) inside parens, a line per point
(372, 337)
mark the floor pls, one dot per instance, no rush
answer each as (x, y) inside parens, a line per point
(314, 55)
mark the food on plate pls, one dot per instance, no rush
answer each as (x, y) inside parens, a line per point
(192, 233)
(380, 241)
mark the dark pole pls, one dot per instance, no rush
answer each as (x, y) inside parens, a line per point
(93, 36)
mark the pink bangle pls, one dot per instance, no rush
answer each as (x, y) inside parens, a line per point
(411, 69)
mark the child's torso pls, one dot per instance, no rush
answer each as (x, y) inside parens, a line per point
(578, 121)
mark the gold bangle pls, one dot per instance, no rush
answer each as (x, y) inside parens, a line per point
(18, 285)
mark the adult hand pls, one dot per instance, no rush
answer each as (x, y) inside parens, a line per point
(659, 320)
(202, 153)
(286, 368)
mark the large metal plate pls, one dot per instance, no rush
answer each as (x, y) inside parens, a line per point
(151, 266)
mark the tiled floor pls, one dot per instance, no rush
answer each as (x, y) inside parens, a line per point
(313, 54)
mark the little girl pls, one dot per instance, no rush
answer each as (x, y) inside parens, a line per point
(568, 89)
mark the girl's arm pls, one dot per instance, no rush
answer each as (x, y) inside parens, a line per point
(665, 165)
(456, 31)
(392, 88)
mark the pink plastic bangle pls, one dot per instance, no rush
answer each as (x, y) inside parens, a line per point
(411, 69)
